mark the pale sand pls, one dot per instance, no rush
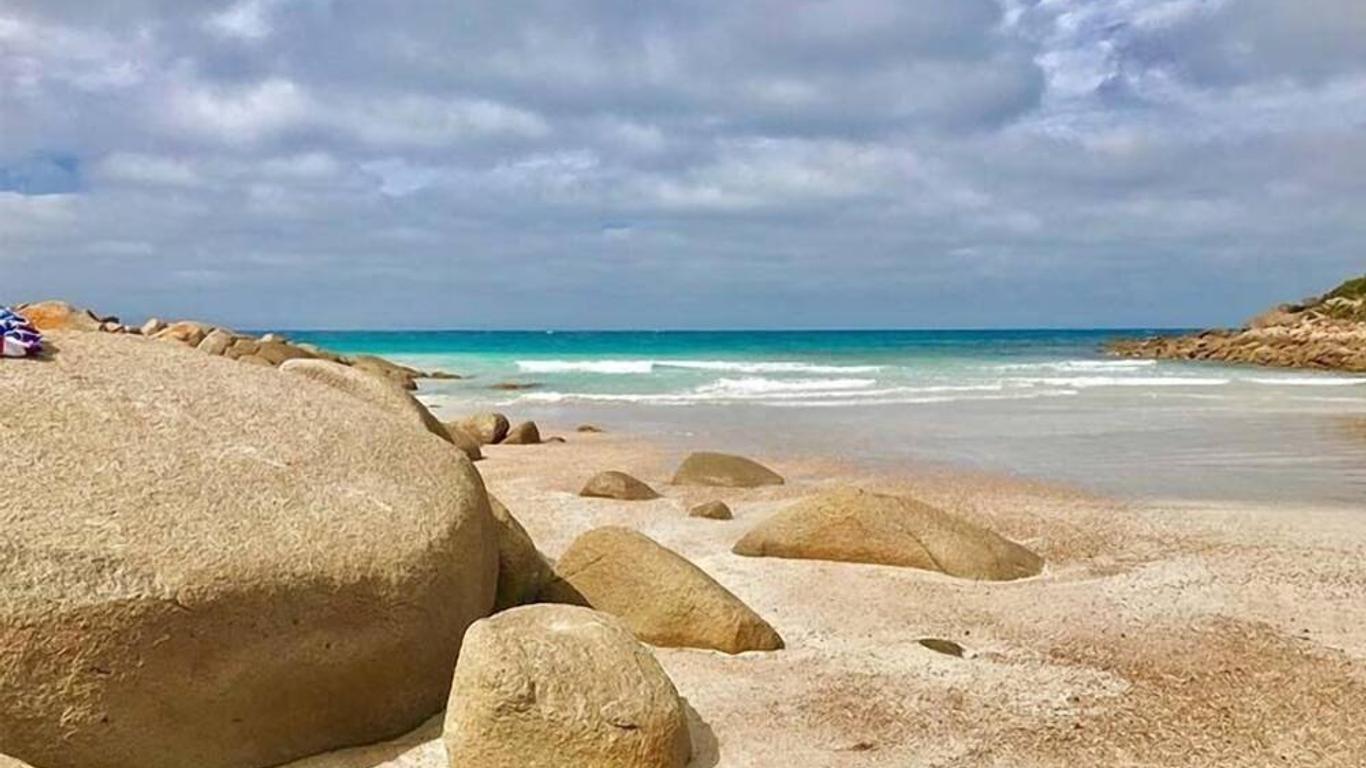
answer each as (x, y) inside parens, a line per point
(1165, 634)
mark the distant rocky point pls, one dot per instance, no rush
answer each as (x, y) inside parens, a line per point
(271, 349)
(1326, 332)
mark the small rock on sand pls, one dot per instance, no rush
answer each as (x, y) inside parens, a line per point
(588, 429)
(488, 428)
(724, 470)
(617, 485)
(661, 596)
(940, 645)
(556, 685)
(462, 440)
(712, 510)
(525, 433)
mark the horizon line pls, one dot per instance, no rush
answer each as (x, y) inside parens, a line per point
(958, 329)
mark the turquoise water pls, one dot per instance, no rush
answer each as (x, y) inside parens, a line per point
(1046, 403)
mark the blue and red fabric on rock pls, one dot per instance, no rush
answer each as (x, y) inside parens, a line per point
(18, 338)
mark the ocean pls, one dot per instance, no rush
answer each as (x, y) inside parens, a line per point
(1040, 403)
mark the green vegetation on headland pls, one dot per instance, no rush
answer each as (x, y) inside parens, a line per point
(1326, 332)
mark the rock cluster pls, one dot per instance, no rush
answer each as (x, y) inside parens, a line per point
(270, 350)
(1327, 332)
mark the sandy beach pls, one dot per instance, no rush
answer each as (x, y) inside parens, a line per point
(1160, 634)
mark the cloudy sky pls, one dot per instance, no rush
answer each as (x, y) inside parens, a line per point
(842, 163)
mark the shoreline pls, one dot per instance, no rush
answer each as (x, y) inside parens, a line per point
(1184, 633)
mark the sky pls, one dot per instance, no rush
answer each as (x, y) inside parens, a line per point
(700, 164)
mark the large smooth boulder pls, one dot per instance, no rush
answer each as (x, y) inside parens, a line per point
(725, 471)
(617, 485)
(9, 762)
(59, 316)
(526, 433)
(376, 390)
(213, 565)
(488, 428)
(551, 686)
(663, 598)
(522, 570)
(857, 526)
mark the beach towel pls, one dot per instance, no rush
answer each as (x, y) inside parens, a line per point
(17, 337)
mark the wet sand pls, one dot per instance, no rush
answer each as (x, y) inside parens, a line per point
(1160, 634)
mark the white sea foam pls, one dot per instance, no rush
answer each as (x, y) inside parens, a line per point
(763, 386)
(648, 366)
(586, 366)
(768, 391)
(1080, 366)
(743, 366)
(1086, 382)
(925, 400)
(1307, 381)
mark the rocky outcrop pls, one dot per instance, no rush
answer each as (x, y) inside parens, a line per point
(617, 485)
(856, 526)
(488, 428)
(549, 686)
(522, 570)
(663, 598)
(712, 510)
(526, 433)
(1326, 332)
(269, 350)
(724, 470)
(206, 564)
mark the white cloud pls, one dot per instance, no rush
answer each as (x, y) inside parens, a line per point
(245, 20)
(241, 114)
(147, 169)
(426, 121)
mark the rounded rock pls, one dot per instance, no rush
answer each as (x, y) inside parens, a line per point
(548, 686)
(617, 485)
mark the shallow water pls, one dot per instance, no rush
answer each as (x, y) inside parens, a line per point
(1040, 403)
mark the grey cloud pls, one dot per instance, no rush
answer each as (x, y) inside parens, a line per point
(534, 163)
